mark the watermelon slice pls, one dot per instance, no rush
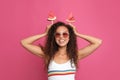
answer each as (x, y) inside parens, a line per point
(70, 18)
(51, 16)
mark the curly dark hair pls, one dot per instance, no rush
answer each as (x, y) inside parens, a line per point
(51, 46)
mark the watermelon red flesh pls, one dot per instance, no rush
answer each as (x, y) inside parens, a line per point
(70, 17)
(51, 15)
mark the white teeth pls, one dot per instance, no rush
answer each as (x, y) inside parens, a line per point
(61, 41)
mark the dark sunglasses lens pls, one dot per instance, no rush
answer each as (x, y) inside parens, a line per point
(57, 35)
(65, 35)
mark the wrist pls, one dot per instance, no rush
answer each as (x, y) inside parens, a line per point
(45, 33)
(76, 33)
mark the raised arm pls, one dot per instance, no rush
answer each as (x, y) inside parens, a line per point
(90, 48)
(27, 43)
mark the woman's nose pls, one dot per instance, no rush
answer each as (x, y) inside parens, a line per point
(61, 36)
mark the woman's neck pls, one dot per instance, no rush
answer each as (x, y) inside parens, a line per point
(62, 53)
(62, 50)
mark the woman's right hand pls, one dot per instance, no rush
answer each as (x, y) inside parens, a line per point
(48, 27)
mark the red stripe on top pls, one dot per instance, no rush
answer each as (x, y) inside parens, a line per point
(60, 74)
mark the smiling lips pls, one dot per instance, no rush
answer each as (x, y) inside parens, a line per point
(61, 41)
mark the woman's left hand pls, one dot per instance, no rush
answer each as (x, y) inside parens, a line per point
(74, 28)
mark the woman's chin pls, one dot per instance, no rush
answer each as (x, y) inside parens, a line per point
(62, 45)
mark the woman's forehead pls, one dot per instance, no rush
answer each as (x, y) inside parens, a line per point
(62, 29)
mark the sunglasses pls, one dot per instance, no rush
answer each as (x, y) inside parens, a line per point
(65, 35)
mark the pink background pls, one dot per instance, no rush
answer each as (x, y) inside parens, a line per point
(23, 18)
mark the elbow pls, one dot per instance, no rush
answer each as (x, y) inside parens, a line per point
(25, 42)
(99, 42)
(22, 42)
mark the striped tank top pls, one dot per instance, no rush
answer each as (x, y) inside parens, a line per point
(61, 71)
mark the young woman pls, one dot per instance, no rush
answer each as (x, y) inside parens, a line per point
(60, 52)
